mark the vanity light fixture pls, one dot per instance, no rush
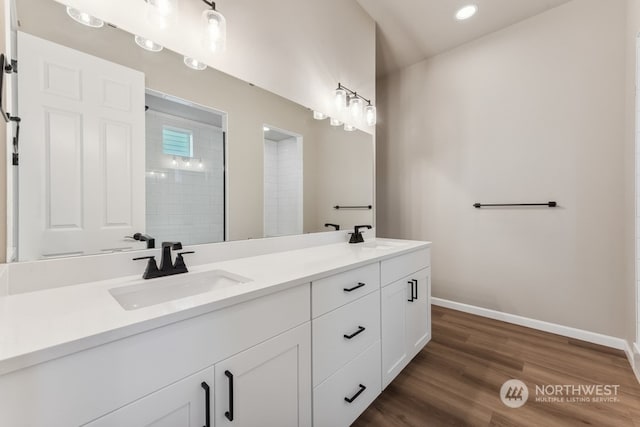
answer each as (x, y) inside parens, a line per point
(215, 28)
(466, 12)
(194, 64)
(356, 106)
(147, 44)
(84, 18)
(349, 128)
(200, 164)
(318, 115)
(160, 12)
(335, 122)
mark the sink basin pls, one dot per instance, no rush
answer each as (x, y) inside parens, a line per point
(144, 293)
(382, 244)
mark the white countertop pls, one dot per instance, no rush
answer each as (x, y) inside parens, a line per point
(43, 325)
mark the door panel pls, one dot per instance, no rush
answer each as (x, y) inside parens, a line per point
(394, 338)
(82, 164)
(418, 315)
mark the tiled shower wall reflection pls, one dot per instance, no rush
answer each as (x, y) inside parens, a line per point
(282, 187)
(185, 196)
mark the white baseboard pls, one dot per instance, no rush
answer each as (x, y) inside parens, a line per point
(567, 331)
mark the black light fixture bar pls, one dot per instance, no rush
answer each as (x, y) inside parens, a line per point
(212, 4)
(352, 92)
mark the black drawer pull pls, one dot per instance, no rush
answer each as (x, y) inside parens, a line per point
(207, 404)
(410, 282)
(359, 331)
(358, 286)
(355, 396)
(229, 413)
(416, 285)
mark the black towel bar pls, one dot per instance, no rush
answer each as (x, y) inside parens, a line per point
(353, 207)
(483, 205)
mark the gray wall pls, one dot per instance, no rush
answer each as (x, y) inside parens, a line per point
(534, 112)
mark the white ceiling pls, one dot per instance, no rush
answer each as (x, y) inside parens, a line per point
(412, 30)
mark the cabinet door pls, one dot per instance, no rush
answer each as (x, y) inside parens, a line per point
(182, 404)
(419, 313)
(268, 384)
(394, 304)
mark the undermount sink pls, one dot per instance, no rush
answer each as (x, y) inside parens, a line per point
(144, 293)
(382, 244)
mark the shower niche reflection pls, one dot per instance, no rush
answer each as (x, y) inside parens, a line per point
(185, 160)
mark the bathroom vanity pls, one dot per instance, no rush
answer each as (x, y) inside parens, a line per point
(307, 337)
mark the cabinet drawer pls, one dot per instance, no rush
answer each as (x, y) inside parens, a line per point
(396, 268)
(331, 409)
(332, 292)
(342, 334)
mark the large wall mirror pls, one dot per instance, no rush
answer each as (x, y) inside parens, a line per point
(119, 141)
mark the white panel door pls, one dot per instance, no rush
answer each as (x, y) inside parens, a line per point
(268, 384)
(182, 404)
(82, 159)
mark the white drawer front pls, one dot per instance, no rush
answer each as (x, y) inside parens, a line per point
(332, 292)
(330, 407)
(396, 268)
(331, 349)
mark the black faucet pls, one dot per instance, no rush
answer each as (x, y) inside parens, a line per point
(167, 268)
(356, 236)
(151, 242)
(336, 226)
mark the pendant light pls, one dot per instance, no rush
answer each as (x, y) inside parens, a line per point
(370, 115)
(340, 98)
(349, 128)
(356, 106)
(318, 115)
(335, 122)
(215, 28)
(84, 18)
(160, 13)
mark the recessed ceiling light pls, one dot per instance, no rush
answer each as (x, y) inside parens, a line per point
(466, 12)
(147, 44)
(194, 64)
(84, 18)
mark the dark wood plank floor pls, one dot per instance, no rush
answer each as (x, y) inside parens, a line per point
(455, 380)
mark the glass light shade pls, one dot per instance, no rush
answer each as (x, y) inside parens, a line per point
(335, 122)
(349, 128)
(84, 18)
(370, 115)
(466, 12)
(194, 64)
(340, 97)
(160, 13)
(215, 31)
(355, 107)
(319, 116)
(147, 44)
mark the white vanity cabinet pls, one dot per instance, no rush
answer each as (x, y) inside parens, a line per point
(405, 311)
(346, 345)
(268, 384)
(154, 378)
(186, 403)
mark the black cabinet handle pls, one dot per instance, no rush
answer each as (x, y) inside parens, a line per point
(410, 282)
(415, 282)
(355, 396)
(358, 286)
(229, 413)
(359, 331)
(207, 405)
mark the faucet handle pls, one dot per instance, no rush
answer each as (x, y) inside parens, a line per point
(172, 245)
(179, 264)
(152, 268)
